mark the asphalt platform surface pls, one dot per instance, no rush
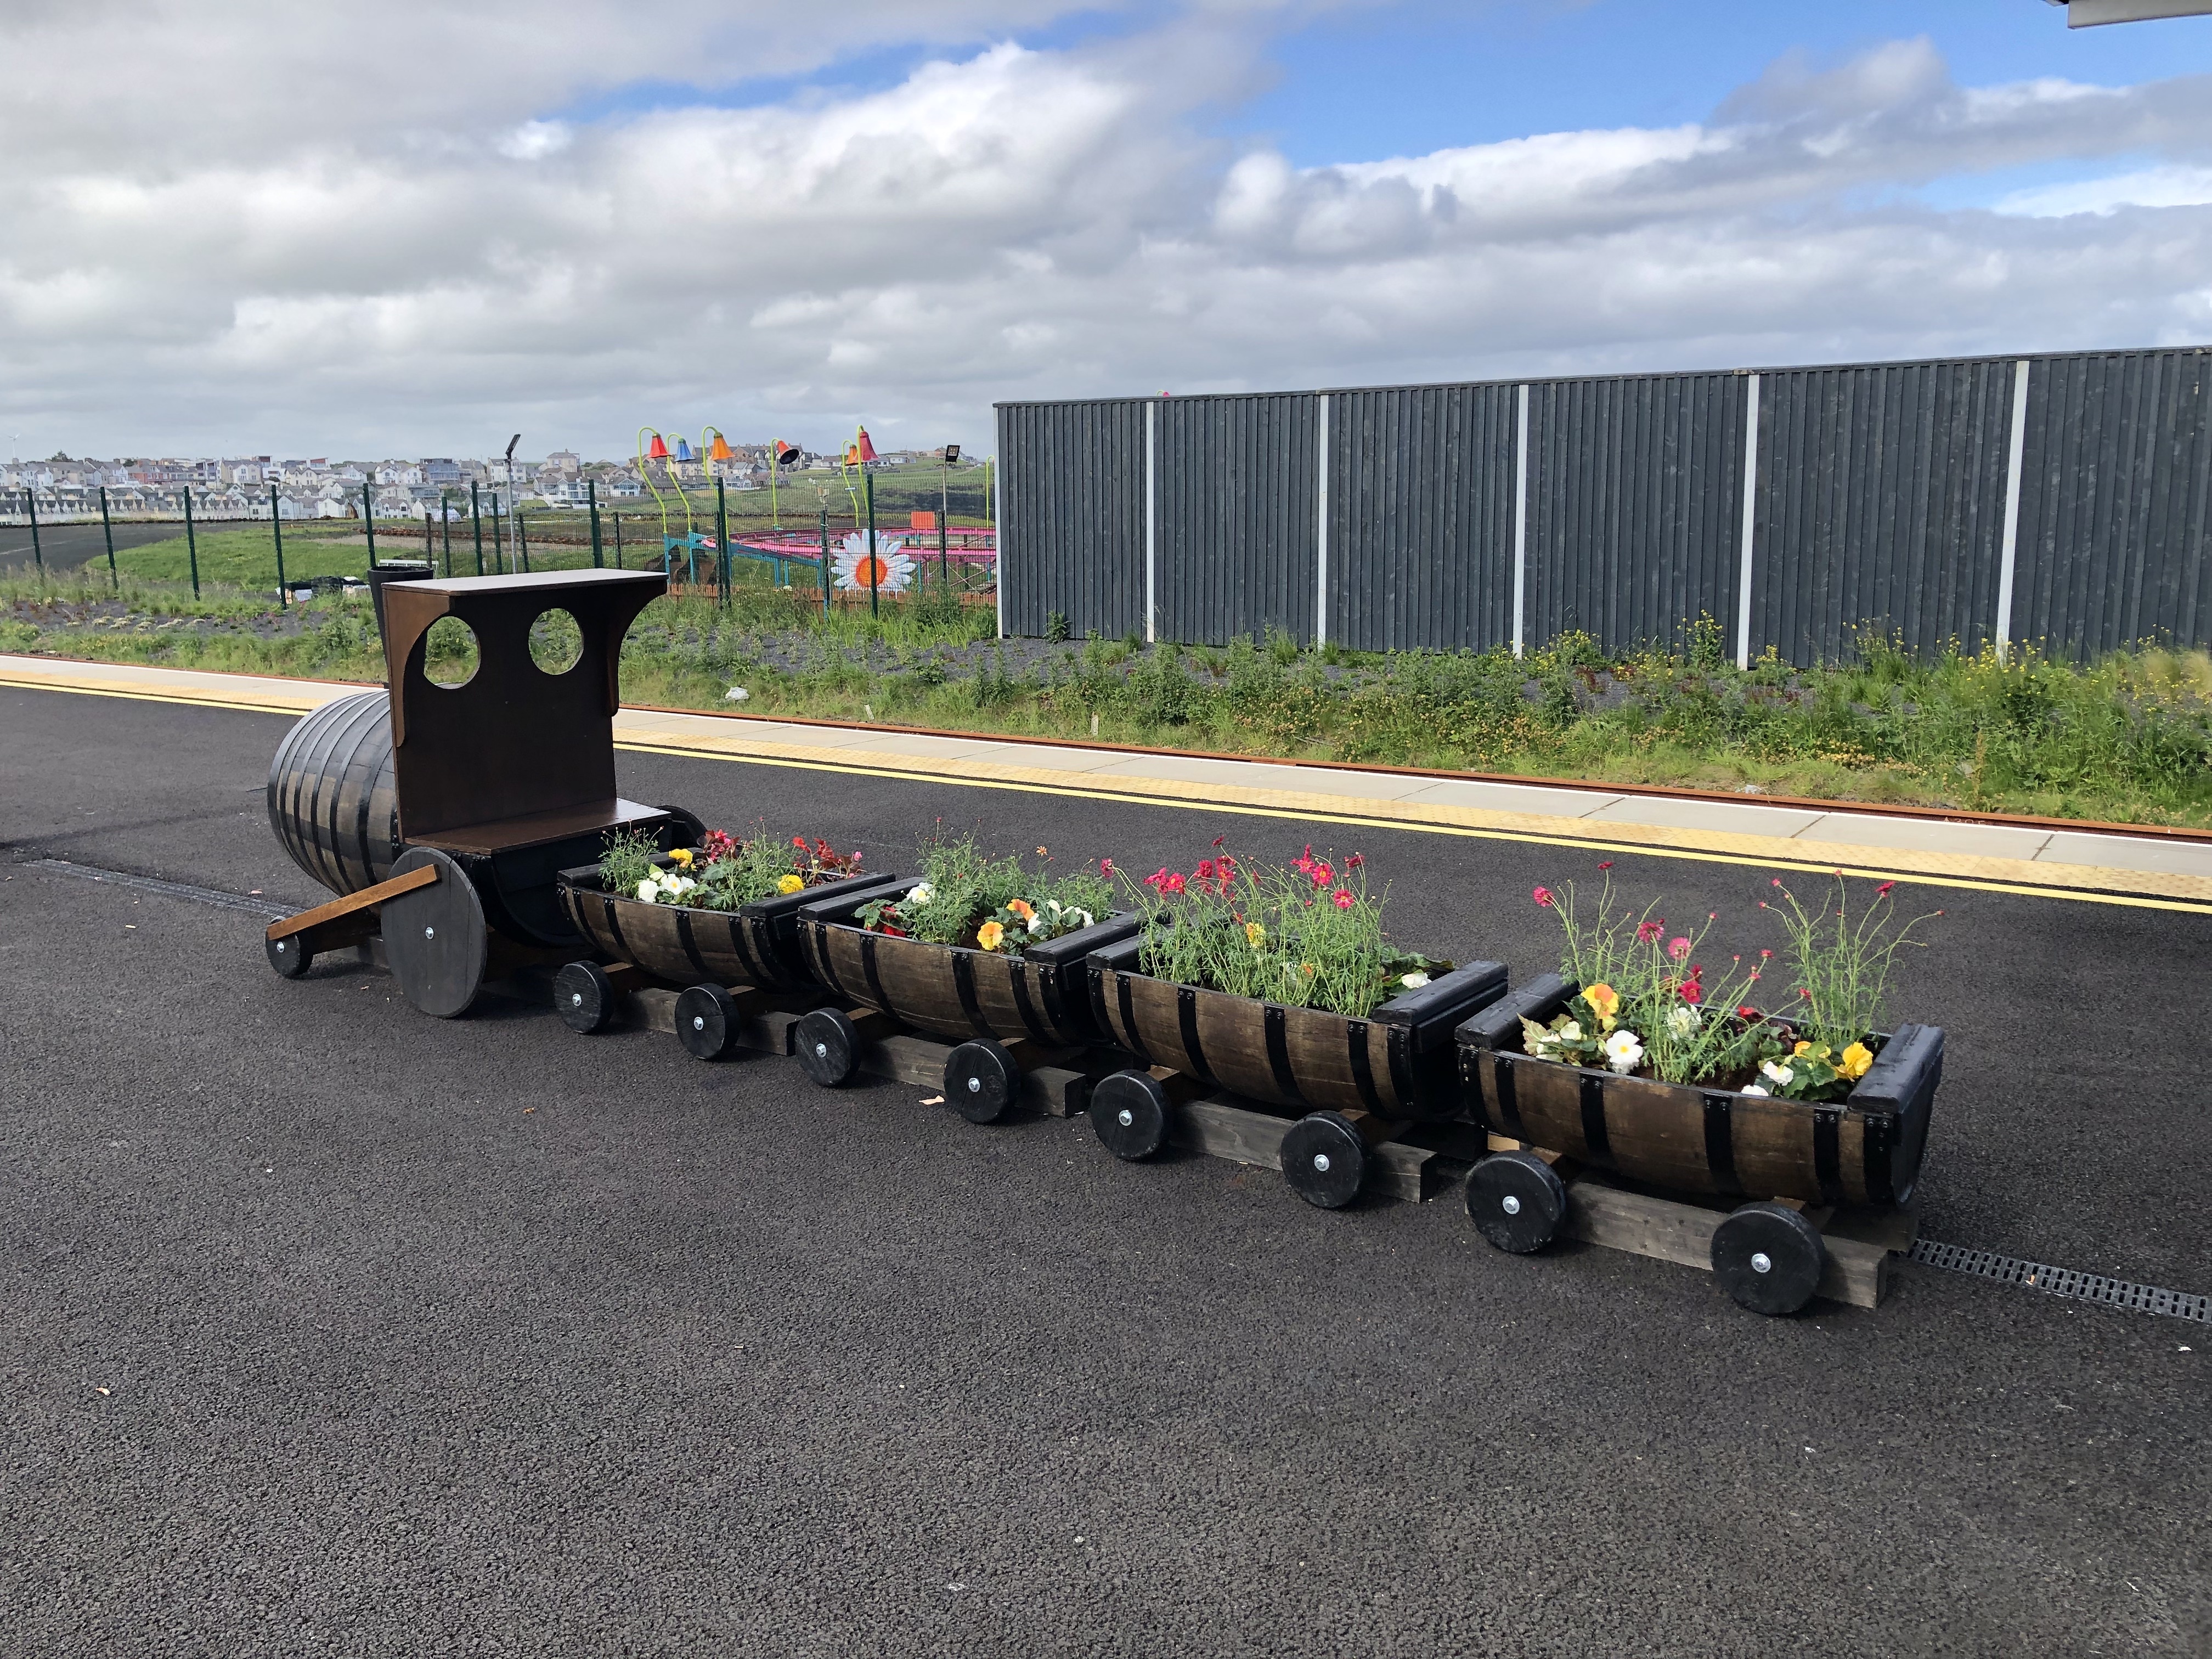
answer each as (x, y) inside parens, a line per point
(67, 546)
(328, 1328)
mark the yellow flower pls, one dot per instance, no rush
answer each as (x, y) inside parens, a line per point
(990, 935)
(1802, 1048)
(1307, 969)
(1854, 1061)
(682, 857)
(1255, 935)
(1604, 1001)
(1022, 908)
(790, 883)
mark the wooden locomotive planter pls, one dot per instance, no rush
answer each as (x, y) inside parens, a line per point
(442, 813)
(1342, 1088)
(729, 963)
(1804, 1166)
(1008, 1015)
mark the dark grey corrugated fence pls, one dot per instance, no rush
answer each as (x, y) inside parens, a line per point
(2063, 500)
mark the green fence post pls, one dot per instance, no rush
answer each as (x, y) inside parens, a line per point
(368, 518)
(875, 587)
(107, 530)
(521, 540)
(191, 542)
(825, 560)
(277, 529)
(498, 539)
(446, 531)
(38, 557)
(592, 489)
(618, 564)
(476, 515)
(721, 540)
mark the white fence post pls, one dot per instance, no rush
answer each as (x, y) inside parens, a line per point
(1521, 521)
(1321, 528)
(2006, 557)
(1750, 525)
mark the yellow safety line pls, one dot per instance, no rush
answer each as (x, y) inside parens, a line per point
(1911, 878)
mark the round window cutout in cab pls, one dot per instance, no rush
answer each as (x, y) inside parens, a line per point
(556, 643)
(449, 653)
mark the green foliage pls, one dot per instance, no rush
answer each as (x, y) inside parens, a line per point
(1055, 626)
(1841, 962)
(1307, 936)
(964, 891)
(626, 857)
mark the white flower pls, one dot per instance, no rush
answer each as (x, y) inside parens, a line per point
(1414, 981)
(890, 571)
(1751, 1089)
(921, 894)
(1083, 917)
(647, 888)
(1624, 1051)
(1682, 1019)
(1781, 1075)
(1572, 1032)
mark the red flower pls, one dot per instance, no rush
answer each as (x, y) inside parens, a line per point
(1543, 897)
(1606, 864)
(1172, 885)
(1206, 869)
(1106, 867)
(1747, 1012)
(1158, 879)
(1354, 861)
(1322, 875)
(1648, 931)
(1777, 882)
(1218, 840)
(1762, 955)
(1882, 891)
(800, 842)
(1343, 897)
(1693, 993)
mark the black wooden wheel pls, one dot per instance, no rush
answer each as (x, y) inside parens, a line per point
(828, 1047)
(1516, 1201)
(1325, 1160)
(706, 1021)
(434, 938)
(1769, 1257)
(584, 997)
(982, 1080)
(290, 958)
(1130, 1113)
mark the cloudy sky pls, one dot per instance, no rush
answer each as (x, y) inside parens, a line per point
(241, 226)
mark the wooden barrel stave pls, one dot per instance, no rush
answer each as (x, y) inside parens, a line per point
(678, 943)
(948, 990)
(330, 795)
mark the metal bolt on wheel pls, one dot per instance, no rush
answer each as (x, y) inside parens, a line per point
(1516, 1201)
(1769, 1257)
(1324, 1160)
(584, 997)
(290, 958)
(828, 1047)
(982, 1080)
(706, 1021)
(1129, 1114)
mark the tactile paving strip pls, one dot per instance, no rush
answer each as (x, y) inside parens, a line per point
(2064, 1281)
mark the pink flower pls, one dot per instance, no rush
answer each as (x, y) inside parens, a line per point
(1354, 861)
(1777, 882)
(1648, 931)
(1606, 864)
(1322, 875)
(1106, 867)
(1679, 949)
(1206, 869)
(1343, 897)
(1218, 840)
(1762, 955)
(1172, 885)
(1158, 879)
(1543, 897)
(1693, 993)
(1882, 891)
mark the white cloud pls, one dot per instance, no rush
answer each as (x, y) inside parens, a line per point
(401, 266)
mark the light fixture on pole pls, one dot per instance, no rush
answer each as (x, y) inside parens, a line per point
(511, 443)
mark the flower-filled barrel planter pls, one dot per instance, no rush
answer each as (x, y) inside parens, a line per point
(659, 924)
(958, 991)
(1865, 1148)
(1397, 1063)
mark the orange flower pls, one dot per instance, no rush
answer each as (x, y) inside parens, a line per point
(1022, 908)
(1604, 1002)
(990, 936)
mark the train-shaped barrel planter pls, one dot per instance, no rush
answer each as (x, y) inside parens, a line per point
(460, 828)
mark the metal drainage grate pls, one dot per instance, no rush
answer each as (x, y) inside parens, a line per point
(267, 909)
(2064, 1281)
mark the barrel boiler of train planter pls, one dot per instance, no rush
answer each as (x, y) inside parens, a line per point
(440, 814)
(1717, 1144)
(1007, 1012)
(1344, 1086)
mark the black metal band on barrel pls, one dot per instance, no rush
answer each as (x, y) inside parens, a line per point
(819, 941)
(1720, 1143)
(964, 981)
(614, 927)
(1277, 1020)
(1828, 1153)
(876, 997)
(1186, 1028)
(741, 947)
(1097, 980)
(1363, 1066)
(691, 945)
(1509, 1104)
(1017, 976)
(1131, 1038)
(1878, 1144)
(1398, 1040)
(1595, 1138)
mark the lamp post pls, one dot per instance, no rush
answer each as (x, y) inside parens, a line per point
(367, 516)
(511, 443)
(275, 529)
(446, 531)
(875, 587)
(37, 557)
(943, 514)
